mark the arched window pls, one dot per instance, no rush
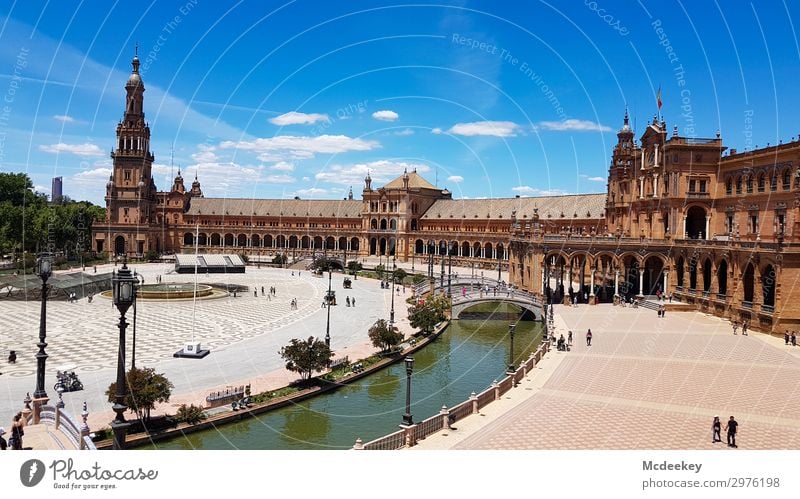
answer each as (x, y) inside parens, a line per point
(374, 223)
(761, 182)
(750, 183)
(738, 185)
(787, 179)
(729, 186)
(773, 182)
(393, 224)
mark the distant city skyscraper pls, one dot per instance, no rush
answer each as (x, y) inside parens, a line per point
(55, 191)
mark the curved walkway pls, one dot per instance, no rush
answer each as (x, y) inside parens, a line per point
(645, 383)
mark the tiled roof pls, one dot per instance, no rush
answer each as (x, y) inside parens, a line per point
(415, 181)
(276, 207)
(580, 206)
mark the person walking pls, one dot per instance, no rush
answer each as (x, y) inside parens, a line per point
(735, 326)
(786, 337)
(17, 432)
(731, 428)
(716, 429)
(569, 338)
(744, 328)
(353, 302)
(589, 338)
(794, 339)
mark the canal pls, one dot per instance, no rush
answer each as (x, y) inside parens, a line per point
(467, 357)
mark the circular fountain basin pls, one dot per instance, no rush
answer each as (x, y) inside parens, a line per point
(171, 291)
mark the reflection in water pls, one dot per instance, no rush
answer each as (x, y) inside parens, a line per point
(466, 358)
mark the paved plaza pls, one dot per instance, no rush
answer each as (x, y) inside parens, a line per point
(244, 334)
(645, 383)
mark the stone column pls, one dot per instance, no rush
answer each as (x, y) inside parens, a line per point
(683, 233)
(708, 225)
(666, 281)
(655, 185)
(641, 187)
(616, 282)
(544, 277)
(641, 282)
(655, 157)
(591, 284)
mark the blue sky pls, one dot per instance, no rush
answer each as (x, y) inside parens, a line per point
(493, 99)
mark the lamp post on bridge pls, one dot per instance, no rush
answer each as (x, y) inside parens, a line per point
(511, 367)
(123, 285)
(408, 420)
(40, 398)
(449, 267)
(328, 300)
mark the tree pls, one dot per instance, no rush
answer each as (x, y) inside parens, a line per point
(384, 336)
(423, 317)
(399, 275)
(306, 356)
(146, 388)
(353, 266)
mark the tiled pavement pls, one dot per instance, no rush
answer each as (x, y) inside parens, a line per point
(655, 384)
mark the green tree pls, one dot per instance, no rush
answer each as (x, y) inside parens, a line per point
(190, 414)
(146, 388)
(384, 336)
(306, 356)
(423, 317)
(399, 275)
(353, 266)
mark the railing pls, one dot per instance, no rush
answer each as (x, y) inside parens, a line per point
(767, 309)
(747, 304)
(429, 426)
(461, 411)
(63, 421)
(69, 428)
(392, 441)
(485, 397)
(722, 296)
(506, 384)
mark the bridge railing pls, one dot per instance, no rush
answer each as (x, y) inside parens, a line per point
(425, 287)
(409, 435)
(65, 423)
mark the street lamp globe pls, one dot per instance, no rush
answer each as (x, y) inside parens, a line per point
(45, 266)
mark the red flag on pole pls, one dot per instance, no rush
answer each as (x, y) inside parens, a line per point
(658, 97)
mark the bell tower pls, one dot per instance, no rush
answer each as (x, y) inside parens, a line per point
(621, 175)
(131, 192)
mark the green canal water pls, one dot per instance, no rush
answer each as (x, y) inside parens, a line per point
(467, 357)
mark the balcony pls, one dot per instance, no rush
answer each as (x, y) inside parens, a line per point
(747, 305)
(706, 294)
(767, 309)
(698, 195)
(722, 296)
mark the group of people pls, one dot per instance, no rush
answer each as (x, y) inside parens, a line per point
(730, 428)
(661, 311)
(17, 432)
(293, 304)
(790, 337)
(745, 325)
(350, 301)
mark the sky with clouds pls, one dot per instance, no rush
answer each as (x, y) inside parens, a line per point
(303, 98)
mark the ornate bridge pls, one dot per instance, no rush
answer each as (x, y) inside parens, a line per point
(469, 291)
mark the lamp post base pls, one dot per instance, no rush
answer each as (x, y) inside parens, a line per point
(120, 434)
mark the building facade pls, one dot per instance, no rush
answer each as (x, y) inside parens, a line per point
(681, 216)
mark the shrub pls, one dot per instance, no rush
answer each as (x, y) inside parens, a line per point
(190, 414)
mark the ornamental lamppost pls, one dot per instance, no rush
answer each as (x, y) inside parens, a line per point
(123, 287)
(441, 257)
(394, 272)
(407, 418)
(511, 367)
(135, 299)
(44, 270)
(431, 249)
(449, 266)
(328, 299)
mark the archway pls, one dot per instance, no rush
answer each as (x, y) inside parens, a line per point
(374, 223)
(268, 241)
(305, 242)
(465, 249)
(419, 247)
(487, 250)
(216, 240)
(383, 224)
(228, 239)
(280, 241)
(393, 224)
(330, 243)
(293, 242)
(202, 239)
(696, 223)
(119, 245)
(748, 280)
(693, 273)
(188, 239)
(392, 246)
(768, 279)
(318, 242)
(679, 268)
(707, 275)
(383, 246)
(241, 240)
(255, 240)
(354, 246)
(630, 282)
(413, 224)
(722, 277)
(653, 275)
(373, 250)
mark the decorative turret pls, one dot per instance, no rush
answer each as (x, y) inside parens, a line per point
(196, 192)
(177, 186)
(368, 182)
(350, 194)
(405, 179)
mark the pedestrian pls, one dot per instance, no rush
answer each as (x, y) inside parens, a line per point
(353, 302)
(463, 292)
(589, 338)
(17, 432)
(569, 338)
(347, 301)
(735, 326)
(744, 328)
(716, 428)
(262, 290)
(575, 301)
(3, 443)
(794, 339)
(731, 428)
(658, 312)
(255, 293)
(786, 337)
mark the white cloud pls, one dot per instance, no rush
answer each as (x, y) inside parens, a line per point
(43, 189)
(381, 171)
(85, 149)
(311, 192)
(284, 147)
(436, 131)
(533, 191)
(64, 118)
(306, 179)
(279, 179)
(596, 179)
(456, 179)
(385, 115)
(294, 118)
(205, 154)
(572, 125)
(283, 166)
(486, 128)
(225, 178)
(405, 132)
